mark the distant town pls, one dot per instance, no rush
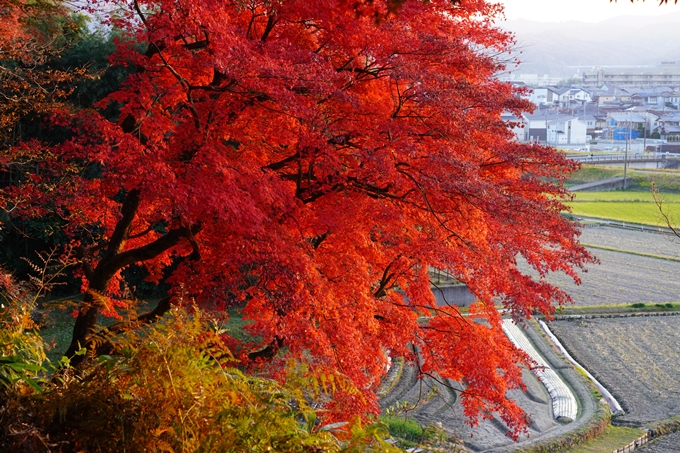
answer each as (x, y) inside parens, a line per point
(606, 108)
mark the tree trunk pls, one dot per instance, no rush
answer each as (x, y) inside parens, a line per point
(113, 260)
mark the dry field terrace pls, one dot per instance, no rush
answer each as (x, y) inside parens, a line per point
(634, 267)
(636, 359)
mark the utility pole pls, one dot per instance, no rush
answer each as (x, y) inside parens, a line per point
(625, 156)
(644, 133)
(546, 127)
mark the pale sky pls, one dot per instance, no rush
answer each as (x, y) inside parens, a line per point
(583, 10)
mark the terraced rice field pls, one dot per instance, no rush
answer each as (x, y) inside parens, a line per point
(631, 207)
(663, 245)
(443, 406)
(636, 359)
(626, 278)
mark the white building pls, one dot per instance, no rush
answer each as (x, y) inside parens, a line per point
(555, 129)
(559, 96)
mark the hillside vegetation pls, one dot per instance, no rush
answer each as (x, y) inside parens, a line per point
(664, 180)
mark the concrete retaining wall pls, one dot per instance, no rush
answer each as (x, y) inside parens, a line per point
(457, 295)
(605, 184)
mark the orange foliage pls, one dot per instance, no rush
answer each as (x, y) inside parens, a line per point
(27, 41)
(307, 161)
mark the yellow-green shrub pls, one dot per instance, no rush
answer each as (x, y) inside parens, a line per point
(22, 350)
(174, 387)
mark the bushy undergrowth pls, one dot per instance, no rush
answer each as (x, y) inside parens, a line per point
(404, 428)
(410, 433)
(22, 350)
(170, 387)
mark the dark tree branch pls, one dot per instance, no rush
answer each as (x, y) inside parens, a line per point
(151, 250)
(271, 21)
(318, 240)
(386, 280)
(124, 225)
(141, 233)
(282, 163)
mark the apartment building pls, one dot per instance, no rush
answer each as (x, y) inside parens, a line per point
(665, 74)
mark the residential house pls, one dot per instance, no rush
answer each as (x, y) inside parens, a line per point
(579, 96)
(671, 99)
(624, 125)
(538, 96)
(669, 126)
(555, 129)
(558, 96)
(591, 124)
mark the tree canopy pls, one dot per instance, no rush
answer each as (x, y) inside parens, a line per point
(306, 163)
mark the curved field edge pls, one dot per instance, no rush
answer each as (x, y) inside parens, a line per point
(593, 412)
(595, 427)
(614, 406)
(564, 402)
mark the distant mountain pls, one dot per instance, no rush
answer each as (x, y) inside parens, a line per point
(551, 48)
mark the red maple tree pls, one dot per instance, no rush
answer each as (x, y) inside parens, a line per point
(307, 162)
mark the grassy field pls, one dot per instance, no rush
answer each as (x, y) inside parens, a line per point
(57, 326)
(592, 173)
(665, 180)
(628, 196)
(640, 213)
(613, 437)
(626, 206)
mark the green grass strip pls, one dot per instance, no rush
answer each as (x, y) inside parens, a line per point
(613, 437)
(614, 309)
(628, 212)
(630, 252)
(630, 196)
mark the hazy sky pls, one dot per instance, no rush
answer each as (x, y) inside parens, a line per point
(582, 10)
